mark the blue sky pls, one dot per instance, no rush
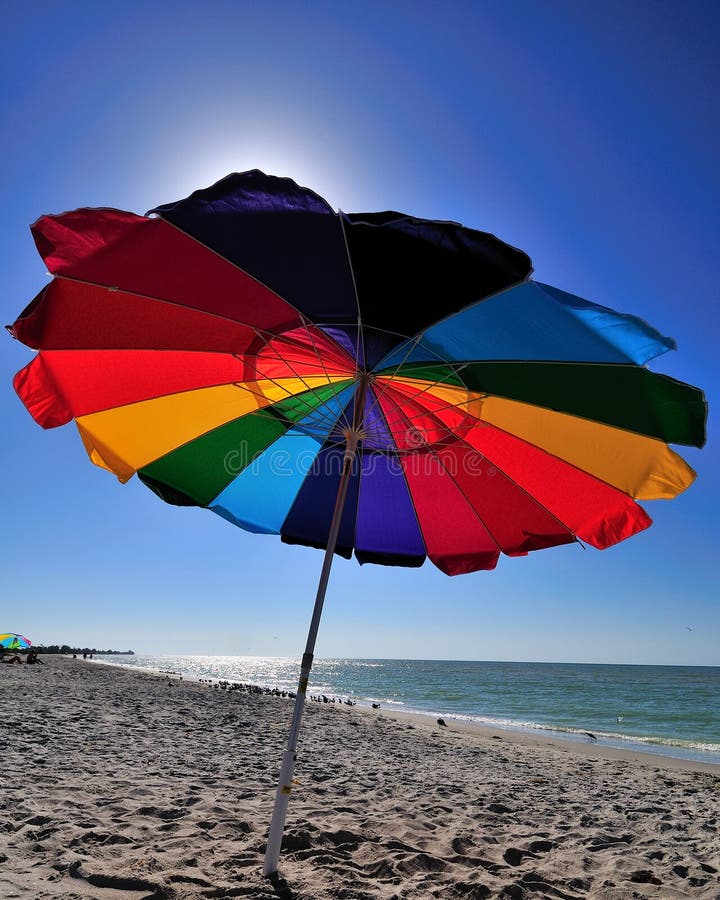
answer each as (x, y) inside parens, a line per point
(586, 134)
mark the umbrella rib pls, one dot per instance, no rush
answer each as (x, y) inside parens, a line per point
(219, 255)
(322, 401)
(325, 424)
(264, 334)
(263, 409)
(476, 512)
(400, 404)
(455, 369)
(430, 413)
(418, 337)
(320, 433)
(413, 342)
(267, 287)
(440, 382)
(297, 375)
(464, 496)
(458, 432)
(483, 424)
(421, 364)
(360, 338)
(561, 459)
(404, 477)
(462, 431)
(332, 418)
(527, 493)
(552, 456)
(319, 355)
(243, 386)
(248, 274)
(113, 289)
(380, 394)
(575, 415)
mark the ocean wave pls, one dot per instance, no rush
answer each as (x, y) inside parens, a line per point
(651, 740)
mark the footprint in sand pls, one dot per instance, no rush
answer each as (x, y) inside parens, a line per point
(420, 862)
(37, 820)
(541, 846)
(167, 815)
(462, 845)
(94, 837)
(645, 876)
(116, 882)
(513, 856)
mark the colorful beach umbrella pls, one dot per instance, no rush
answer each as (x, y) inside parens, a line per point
(371, 384)
(12, 641)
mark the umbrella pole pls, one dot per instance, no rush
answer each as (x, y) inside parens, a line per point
(287, 767)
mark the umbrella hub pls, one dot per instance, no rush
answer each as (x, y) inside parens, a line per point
(355, 433)
(352, 436)
(364, 378)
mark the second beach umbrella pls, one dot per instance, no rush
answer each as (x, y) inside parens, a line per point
(11, 641)
(369, 383)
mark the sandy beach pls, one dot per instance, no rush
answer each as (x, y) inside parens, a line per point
(121, 784)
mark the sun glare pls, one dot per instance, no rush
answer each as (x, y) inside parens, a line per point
(297, 161)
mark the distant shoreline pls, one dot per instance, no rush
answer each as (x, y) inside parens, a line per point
(65, 650)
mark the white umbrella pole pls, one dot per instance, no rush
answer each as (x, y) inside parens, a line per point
(287, 767)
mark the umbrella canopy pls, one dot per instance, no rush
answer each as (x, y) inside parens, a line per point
(14, 642)
(217, 348)
(367, 383)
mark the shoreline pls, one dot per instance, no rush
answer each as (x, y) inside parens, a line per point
(525, 736)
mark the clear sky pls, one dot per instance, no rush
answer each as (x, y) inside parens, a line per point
(585, 133)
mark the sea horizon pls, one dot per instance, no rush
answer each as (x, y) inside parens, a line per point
(438, 659)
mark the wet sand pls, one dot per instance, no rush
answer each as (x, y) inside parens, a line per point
(120, 784)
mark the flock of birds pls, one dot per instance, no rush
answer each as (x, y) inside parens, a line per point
(315, 698)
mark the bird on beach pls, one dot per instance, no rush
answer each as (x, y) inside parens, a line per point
(442, 722)
(590, 735)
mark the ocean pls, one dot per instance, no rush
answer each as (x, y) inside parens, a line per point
(668, 710)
